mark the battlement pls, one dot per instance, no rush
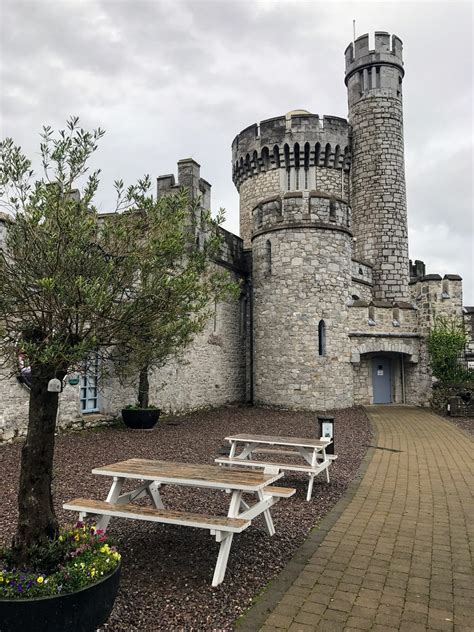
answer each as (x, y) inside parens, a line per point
(387, 51)
(308, 209)
(298, 139)
(188, 177)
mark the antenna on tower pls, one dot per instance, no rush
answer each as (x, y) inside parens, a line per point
(353, 30)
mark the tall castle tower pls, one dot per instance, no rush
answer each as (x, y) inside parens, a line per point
(292, 173)
(378, 196)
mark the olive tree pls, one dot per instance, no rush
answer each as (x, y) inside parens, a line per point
(131, 286)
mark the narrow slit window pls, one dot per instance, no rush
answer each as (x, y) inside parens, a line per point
(268, 257)
(322, 338)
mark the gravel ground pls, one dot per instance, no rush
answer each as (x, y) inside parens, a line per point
(465, 423)
(166, 570)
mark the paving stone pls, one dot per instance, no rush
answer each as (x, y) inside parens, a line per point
(406, 526)
(359, 623)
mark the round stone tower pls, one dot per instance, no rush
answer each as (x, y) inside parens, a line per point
(378, 196)
(292, 173)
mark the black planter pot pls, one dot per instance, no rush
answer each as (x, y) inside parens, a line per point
(140, 418)
(82, 611)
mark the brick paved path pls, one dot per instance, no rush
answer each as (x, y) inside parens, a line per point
(399, 556)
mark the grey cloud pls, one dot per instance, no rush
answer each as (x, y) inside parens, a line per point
(182, 78)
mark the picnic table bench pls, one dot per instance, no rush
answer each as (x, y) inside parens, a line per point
(152, 475)
(312, 451)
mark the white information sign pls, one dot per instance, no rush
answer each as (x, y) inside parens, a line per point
(327, 429)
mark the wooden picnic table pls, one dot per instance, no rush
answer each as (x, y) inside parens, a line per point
(152, 475)
(311, 450)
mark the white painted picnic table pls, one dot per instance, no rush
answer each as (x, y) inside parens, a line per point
(311, 450)
(152, 475)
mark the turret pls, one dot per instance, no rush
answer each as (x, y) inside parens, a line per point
(378, 194)
(292, 173)
(296, 152)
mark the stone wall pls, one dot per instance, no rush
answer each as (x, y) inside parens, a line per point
(210, 372)
(435, 296)
(251, 192)
(363, 386)
(374, 317)
(378, 193)
(307, 282)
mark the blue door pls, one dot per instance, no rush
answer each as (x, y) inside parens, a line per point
(382, 380)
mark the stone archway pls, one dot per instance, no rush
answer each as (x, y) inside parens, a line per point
(398, 353)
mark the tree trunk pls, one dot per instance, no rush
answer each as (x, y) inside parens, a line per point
(143, 388)
(37, 521)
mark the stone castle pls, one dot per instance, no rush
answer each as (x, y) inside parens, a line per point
(332, 312)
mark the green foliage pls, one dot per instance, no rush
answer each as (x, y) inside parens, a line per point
(131, 285)
(79, 557)
(446, 343)
(138, 407)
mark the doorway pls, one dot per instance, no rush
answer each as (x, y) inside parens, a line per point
(382, 379)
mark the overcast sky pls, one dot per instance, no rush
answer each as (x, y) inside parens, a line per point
(177, 79)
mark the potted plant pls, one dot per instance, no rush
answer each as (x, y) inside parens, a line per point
(139, 418)
(71, 584)
(73, 284)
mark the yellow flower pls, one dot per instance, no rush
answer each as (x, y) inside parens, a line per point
(116, 555)
(61, 538)
(76, 537)
(1, 579)
(40, 579)
(105, 549)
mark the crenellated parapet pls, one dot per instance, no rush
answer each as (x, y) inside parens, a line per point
(301, 209)
(435, 296)
(189, 178)
(382, 317)
(378, 70)
(300, 140)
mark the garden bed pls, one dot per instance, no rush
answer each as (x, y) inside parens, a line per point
(167, 571)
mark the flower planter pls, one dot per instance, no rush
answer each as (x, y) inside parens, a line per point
(140, 418)
(82, 611)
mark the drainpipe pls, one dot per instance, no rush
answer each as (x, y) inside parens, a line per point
(403, 378)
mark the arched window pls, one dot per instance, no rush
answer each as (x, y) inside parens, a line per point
(306, 164)
(266, 158)
(322, 338)
(296, 153)
(256, 162)
(327, 155)
(248, 168)
(268, 257)
(317, 154)
(276, 155)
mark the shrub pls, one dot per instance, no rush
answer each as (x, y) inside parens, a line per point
(446, 343)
